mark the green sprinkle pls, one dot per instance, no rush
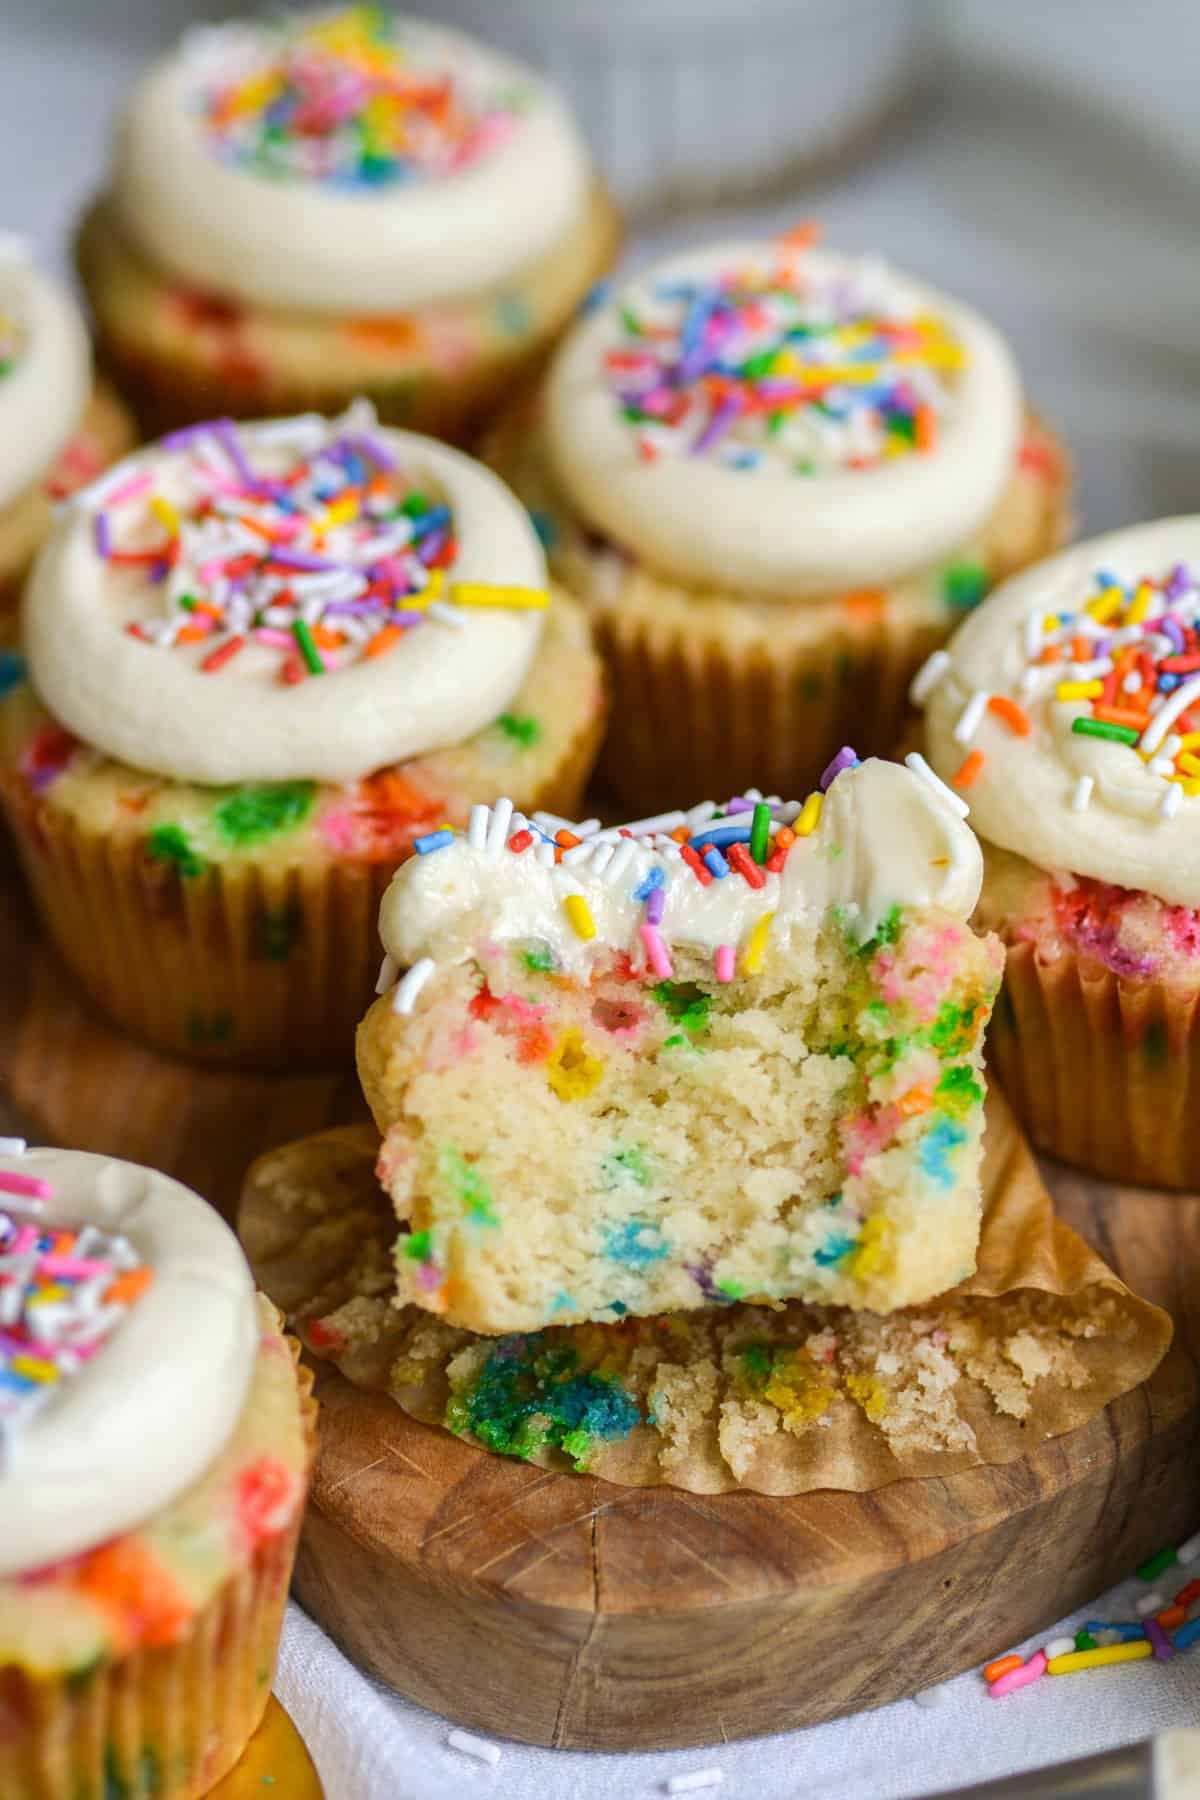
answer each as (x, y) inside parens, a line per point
(187, 602)
(1085, 1641)
(418, 1246)
(522, 729)
(686, 1003)
(760, 831)
(414, 504)
(732, 1290)
(252, 814)
(630, 323)
(170, 844)
(539, 960)
(1100, 728)
(1149, 1571)
(625, 1166)
(958, 1091)
(468, 1186)
(308, 649)
(964, 585)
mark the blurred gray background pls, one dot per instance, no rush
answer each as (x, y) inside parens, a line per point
(1050, 174)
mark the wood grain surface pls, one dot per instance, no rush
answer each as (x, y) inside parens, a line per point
(562, 1610)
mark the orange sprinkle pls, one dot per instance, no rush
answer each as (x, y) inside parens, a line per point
(926, 428)
(192, 634)
(384, 640)
(968, 770)
(785, 837)
(566, 840)
(1051, 654)
(128, 1286)
(326, 638)
(863, 603)
(916, 1100)
(136, 1592)
(1138, 717)
(802, 236)
(1170, 1617)
(1001, 1666)
(1081, 650)
(1014, 716)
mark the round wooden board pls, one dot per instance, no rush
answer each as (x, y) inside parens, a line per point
(565, 1611)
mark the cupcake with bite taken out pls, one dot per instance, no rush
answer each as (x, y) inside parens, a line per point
(1067, 710)
(144, 1568)
(776, 477)
(336, 203)
(265, 665)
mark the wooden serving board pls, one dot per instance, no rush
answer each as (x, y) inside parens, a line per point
(565, 1611)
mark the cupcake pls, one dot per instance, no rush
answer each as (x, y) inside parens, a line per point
(746, 1043)
(1067, 710)
(144, 1563)
(58, 429)
(338, 203)
(266, 664)
(777, 477)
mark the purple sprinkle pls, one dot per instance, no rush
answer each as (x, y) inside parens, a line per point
(403, 616)
(654, 906)
(846, 758)
(301, 559)
(189, 434)
(740, 804)
(225, 431)
(1163, 1648)
(721, 422)
(1179, 582)
(375, 451)
(103, 535)
(1171, 628)
(353, 608)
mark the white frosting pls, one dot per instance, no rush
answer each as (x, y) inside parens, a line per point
(361, 250)
(43, 398)
(1027, 796)
(148, 1414)
(885, 837)
(767, 529)
(154, 707)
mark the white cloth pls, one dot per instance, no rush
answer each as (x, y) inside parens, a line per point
(1058, 189)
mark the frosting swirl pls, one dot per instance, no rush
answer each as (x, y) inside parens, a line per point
(1069, 707)
(881, 836)
(106, 1449)
(299, 599)
(345, 161)
(45, 370)
(814, 421)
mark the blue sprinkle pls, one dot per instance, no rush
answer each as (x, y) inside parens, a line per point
(12, 671)
(595, 298)
(833, 1250)
(546, 529)
(619, 1307)
(1187, 1634)
(1167, 682)
(715, 863)
(433, 840)
(433, 520)
(562, 1302)
(653, 880)
(935, 1150)
(1127, 1633)
(625, 1244)
(737, 832)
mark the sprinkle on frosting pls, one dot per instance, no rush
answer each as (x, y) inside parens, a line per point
(326, 558)
(344, 98)
(784, 363)
(11, 341)
(62, 1294)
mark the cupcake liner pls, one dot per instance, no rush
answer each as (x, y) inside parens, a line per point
(441, 370)
(164, 1723)
(1102, 1072)
(249, 964)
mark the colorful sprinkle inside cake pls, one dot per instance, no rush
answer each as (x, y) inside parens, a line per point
(726, 1053)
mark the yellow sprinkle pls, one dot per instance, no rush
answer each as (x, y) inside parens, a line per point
(580, 915)
(1189, 783)
(1078, 690)
(1190, 740)
(484, 593)
(34, 1368)
(340, 511)
(1098, 1659)
(1049, 623)
(753, 955)
(1105, 605)
(165, 513)
(1189, 763)
(870, 1394)
(810, 815)
(1140, 604)
(572, 1071)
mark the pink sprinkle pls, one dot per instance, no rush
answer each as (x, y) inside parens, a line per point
(1025, 1676)
(656, 952)
(74, 1267)
(31, 1185)
(129, 490)
(278, 640)
(724, 962)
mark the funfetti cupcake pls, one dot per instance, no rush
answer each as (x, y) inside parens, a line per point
(155, 1438)
(265, 665)
(337, 203)
(58, 429)
(1067, 711)
(777, 477)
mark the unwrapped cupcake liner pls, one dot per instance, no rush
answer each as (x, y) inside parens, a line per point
(1102, 1072)
(164, 1723)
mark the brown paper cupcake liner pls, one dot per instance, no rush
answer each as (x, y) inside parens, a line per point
(1102, 1072)
(164, 1723)
(247, 964)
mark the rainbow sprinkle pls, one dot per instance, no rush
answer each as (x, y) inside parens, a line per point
(348, 98)
(786, 363)
(63, 1291)
(327, 557)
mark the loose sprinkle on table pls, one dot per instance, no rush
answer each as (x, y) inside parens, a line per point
(482, 1749)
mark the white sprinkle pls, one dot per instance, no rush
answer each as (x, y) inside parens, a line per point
(448, 615)
(690, 1784)
(497, 833)
(388, 970)
(1171, 801)
(1081, 799)
(667, 821)
(700, 815)
(588, 829)
(306, 429)
(579, 853)
(1162, 766)
(405, 996)
(1132, 683)
(470, 1745)
(602, 855)
(545, 854)
(1034, 633)
(928, 676)
(477, 826)
(620, 861)
(551, 822)
(1061, 1646)
(916, 762)
(1189, 1550)
(12, 1146)
(934, 1696)
(1149, 1603)
(1170, 710)
(970, 717)
(1173, 746)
